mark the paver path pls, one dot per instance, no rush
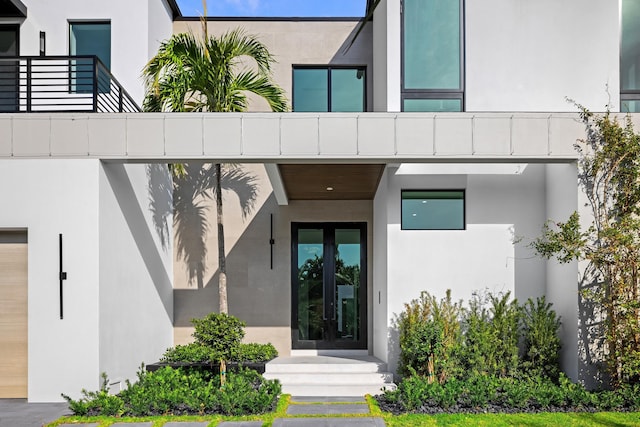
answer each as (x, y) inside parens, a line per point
(301, 412)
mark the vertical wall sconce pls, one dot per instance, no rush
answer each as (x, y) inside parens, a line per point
(62, 274)
(271, 241)
(43, 43)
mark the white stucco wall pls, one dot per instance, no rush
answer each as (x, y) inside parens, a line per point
(519, 55)
(386, 56)
(380, 254)
(136, 268)
(136, 28)
(529, 55)
(502, 204)
(562, 279)
(160, 25)
(49, 197)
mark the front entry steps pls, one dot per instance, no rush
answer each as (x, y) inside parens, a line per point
(330, 375)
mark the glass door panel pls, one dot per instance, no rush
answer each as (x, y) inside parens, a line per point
(9, 69)
(310, 284)
(347, 279)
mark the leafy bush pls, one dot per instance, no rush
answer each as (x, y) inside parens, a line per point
(429, 337)
(218, 337)
(491, 336)
(488, 393)
(183, 391)
(505, 323)
(220, 332)
(193, 352)
(541, 341)
(254, 352)
(247, 393)
(96, 402)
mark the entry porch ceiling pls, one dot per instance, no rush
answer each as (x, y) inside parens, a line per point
(330, 181)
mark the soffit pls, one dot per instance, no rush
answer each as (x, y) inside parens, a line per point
(348, 181)
(12, 9)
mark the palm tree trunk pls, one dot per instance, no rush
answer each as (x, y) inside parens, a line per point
(222, 263)
(222, 267)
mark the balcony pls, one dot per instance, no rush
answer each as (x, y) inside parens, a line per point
(48, 84)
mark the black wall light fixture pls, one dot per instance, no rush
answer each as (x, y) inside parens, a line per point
(271, 241)
(62, 275)
(43, 43)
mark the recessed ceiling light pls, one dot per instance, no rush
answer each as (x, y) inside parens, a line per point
(329, 188)
(414, 214)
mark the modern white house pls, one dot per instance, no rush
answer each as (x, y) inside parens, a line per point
(424, 156)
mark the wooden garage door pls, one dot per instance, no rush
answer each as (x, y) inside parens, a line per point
(13, 314)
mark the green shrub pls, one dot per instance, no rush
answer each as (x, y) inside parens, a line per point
(480, 390)
(254, 352)
(247, 392)
(183, 391)
(220, 332)
(479, 342)
(430, 337)
(167, 391)
(505, 323)
(497, 394)
(193, 352)
(491, 336)
(541, 341)
(515, 393)
(96, 402)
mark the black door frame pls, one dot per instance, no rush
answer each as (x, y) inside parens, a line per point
(8, 70)
(329, 286)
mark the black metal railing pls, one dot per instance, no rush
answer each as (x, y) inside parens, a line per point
(60, 84)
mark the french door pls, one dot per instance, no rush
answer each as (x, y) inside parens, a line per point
(329, 283)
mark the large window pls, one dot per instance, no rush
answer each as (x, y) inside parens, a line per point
(432, 55)
(433, 210)
(324, 89)
(89, 38)
(630, 57)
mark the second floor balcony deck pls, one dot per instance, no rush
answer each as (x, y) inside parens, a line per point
(61, 84)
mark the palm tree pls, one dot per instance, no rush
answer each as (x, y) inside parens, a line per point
(205, 75)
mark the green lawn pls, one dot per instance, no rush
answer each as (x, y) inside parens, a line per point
(604, 419)
(608, 419)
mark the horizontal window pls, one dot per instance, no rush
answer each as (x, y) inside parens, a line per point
(433, 210)
(630, 105)
(432, 105)
(329, 89)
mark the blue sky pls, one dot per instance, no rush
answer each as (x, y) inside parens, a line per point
(283, 8)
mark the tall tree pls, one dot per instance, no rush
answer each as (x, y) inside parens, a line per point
(206, 74)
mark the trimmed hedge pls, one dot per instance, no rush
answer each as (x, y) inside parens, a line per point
(182, 391)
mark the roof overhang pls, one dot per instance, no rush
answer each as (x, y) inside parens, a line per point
(12, 9)
(321, 138)
(175, 9)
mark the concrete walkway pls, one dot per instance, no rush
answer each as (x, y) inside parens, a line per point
(301, 412)
(19, 413)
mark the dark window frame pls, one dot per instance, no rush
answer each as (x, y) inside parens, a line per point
(439, 190)
(14, 28)
(625, 94)
(328, 68)
(73, 65)
(434, 93)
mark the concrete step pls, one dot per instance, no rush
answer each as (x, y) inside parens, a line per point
(330, 375)
(328, 378)
(335, 389)
(325, 364)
